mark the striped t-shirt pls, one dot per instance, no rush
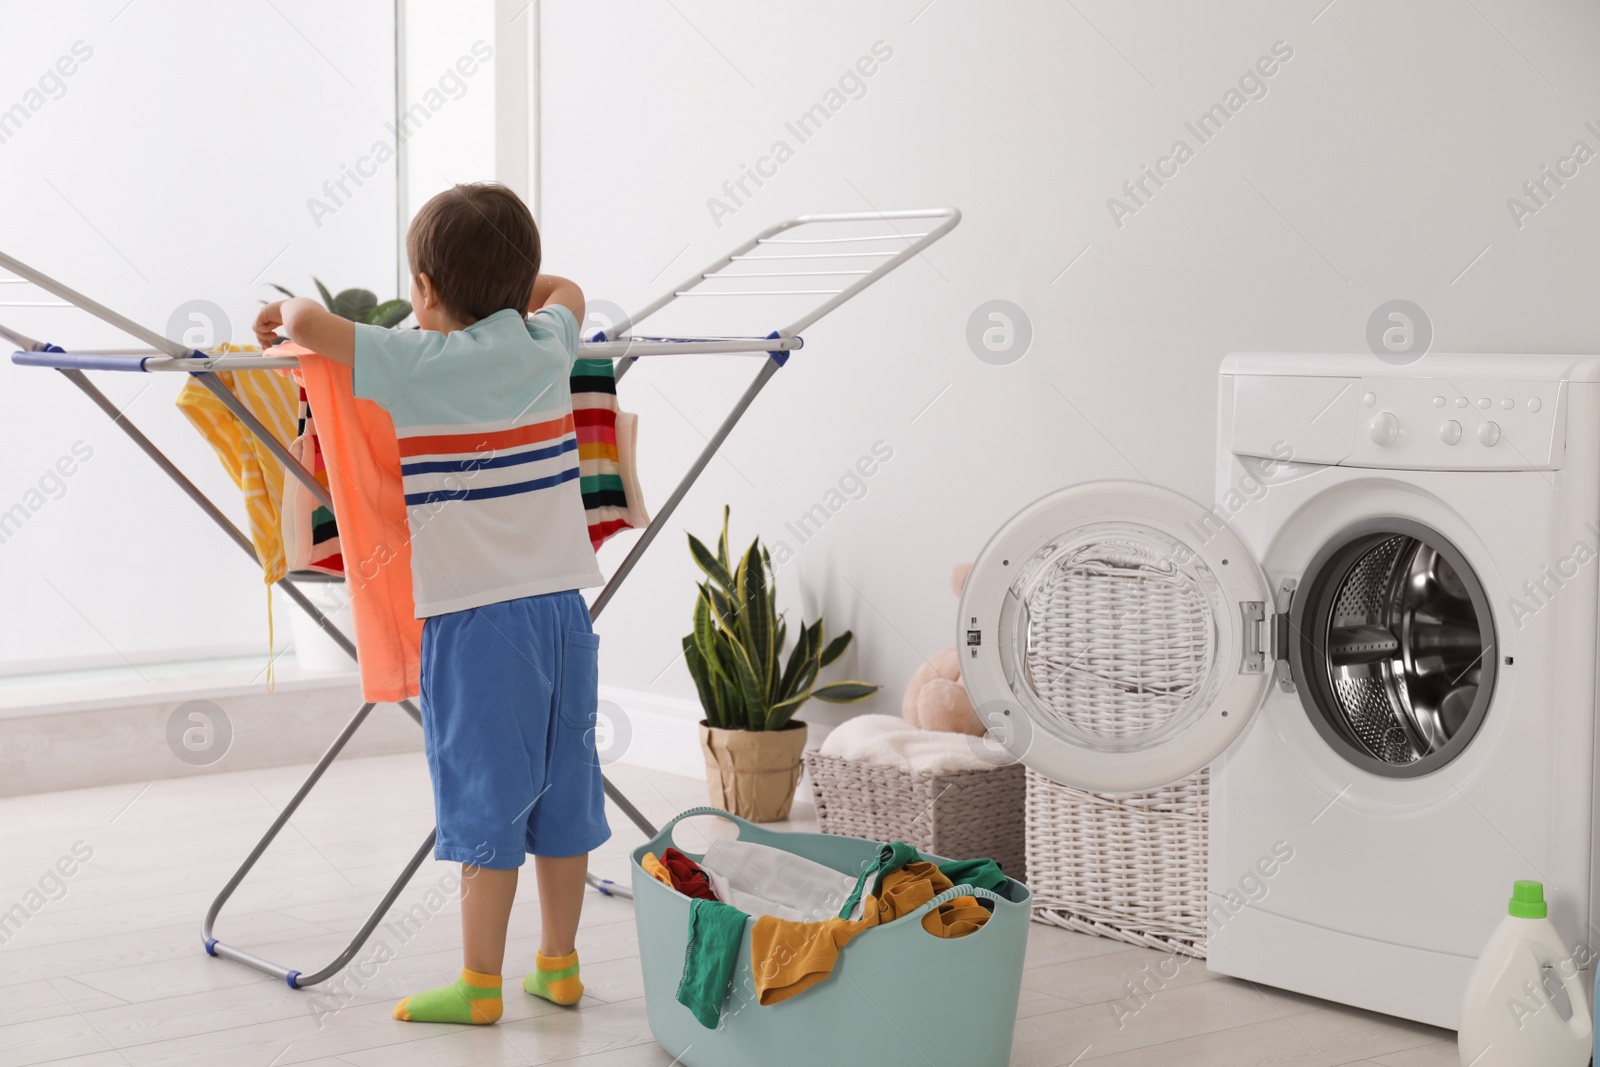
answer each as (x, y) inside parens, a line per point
(488, 455)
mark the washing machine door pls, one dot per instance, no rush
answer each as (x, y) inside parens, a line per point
(1114, 636)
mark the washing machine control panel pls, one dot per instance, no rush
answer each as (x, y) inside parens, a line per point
(1402, 423)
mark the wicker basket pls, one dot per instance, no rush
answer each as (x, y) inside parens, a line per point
(965, 815)
(1130, 867)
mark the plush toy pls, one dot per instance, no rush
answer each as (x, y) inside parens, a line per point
(936, 699)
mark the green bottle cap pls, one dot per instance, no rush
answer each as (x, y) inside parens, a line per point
(1527, 901)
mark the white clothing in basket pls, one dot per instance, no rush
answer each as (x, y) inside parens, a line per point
(761, 880)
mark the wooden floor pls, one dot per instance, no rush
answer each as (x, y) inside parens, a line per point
(109, 971)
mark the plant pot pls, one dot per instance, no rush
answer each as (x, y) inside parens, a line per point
(753, 773)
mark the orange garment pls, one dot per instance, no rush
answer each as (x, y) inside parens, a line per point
(653, 867)
(787, 958)
(363, 462)
(907, 889)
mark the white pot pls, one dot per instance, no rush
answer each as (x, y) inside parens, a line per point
(314, 650)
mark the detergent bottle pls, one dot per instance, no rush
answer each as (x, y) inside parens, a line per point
(1507, 1018)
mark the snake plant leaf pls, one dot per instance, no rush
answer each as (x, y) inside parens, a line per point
(757, 623)
(327, 298)
(355, 304)
(705, 635)
(845, 692)
(836, 648)
(722, 542)
(750, 688)
(775, 681)
(716, 568)
(281, 289)
(389, 314)
(702, 681)
(721, 606)
(779, 714)
(797, 659)
(808, 677)
(733, 696)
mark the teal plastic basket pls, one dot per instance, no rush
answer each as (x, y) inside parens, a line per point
(897, 995)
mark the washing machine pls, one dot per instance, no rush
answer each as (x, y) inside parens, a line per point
(1380, 635)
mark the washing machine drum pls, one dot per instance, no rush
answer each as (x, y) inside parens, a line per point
(1116, 637)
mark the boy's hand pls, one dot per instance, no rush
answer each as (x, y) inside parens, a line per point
(549, 289)
(309, 324)
(268, 321)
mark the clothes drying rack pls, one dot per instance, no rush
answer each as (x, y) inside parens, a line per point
(809, 258)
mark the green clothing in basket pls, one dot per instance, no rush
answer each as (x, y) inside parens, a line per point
(980, 874)
(891, 858)
(715, 933)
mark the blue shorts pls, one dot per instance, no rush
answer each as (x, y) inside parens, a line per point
(508, 720)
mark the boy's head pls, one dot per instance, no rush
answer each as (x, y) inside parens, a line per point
(474, 250)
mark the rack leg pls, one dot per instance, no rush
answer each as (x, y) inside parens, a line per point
(294, 977)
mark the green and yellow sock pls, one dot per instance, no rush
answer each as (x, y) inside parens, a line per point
(473, 998)
(555, 979)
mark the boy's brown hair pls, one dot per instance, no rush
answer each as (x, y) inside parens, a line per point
(479, 246)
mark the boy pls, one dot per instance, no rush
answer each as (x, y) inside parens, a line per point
(489, 460)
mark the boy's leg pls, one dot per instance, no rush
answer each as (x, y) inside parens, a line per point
(486, 897)
(472, 696)
(569, 821)
(561, 892)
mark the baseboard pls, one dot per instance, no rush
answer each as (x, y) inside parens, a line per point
(659, 732)
(112, 743)
(107, 742)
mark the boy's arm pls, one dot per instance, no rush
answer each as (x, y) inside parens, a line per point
(549, 289)
(310, 325)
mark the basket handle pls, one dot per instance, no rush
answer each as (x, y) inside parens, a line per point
(748, 831)
(963, 890)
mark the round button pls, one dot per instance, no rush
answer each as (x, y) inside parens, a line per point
(1438, 401)
(1370, 399)
(1534, 403)
(1384, 428)
(1484, 402)
(1507, 404)
(1489, 434)
(1461, 401)
(1450, 432)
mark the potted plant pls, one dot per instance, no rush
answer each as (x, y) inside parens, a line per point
(359, 305)
(749, 692)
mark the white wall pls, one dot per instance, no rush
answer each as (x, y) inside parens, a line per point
(1377, 166)
(175, 163)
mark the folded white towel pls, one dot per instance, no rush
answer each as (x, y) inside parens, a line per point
(894, 742)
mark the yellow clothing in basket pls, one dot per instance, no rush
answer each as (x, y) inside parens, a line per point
(656, 869)
(787, 958)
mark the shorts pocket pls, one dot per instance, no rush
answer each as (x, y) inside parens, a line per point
(577, 694)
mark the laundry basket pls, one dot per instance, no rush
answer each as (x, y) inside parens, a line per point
(1130, 867)
(963, 813)
(898, 994)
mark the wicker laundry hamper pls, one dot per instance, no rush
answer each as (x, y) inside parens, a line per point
(1130, 867)
(964, 814)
